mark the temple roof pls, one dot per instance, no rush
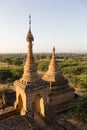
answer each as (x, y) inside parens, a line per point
(39, 84)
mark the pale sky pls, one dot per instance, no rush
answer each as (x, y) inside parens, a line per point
(62, 23)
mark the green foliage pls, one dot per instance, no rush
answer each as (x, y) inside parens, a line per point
(8, 60)
(76, 71)
(43, 65)
(14, 59)
(73, 66)
(79, 109)
(80, 80)
(17, 61)
(4, 74)
(9, 75)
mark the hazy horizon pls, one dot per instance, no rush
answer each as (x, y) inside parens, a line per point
(43, 52)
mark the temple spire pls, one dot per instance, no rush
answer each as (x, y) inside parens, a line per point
(53, 68)
(30, 68)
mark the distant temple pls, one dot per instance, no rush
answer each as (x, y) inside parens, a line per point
(33, 93)
(36, 95)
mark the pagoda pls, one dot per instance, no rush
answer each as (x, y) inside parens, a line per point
(60, 90)
(31, 90)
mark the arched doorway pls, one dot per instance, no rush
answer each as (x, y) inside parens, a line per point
(39, 105)
(20, 103)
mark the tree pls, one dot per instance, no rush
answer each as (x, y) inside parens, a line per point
(5, 74)
(17, 61)
(8, 60)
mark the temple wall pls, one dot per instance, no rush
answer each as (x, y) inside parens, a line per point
(61, 98)
(31, 96)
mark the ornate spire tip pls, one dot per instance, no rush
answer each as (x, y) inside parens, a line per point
(54, 49)
(29, 19)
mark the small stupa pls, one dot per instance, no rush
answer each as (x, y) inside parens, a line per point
(60, 90)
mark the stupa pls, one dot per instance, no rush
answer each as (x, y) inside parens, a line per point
(60, 90)
(31, 90)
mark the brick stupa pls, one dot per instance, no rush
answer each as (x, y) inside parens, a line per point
(31, 90)
(60, 90)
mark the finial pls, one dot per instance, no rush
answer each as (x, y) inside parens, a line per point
(29, 22)
(54, 49)
(29, 35)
